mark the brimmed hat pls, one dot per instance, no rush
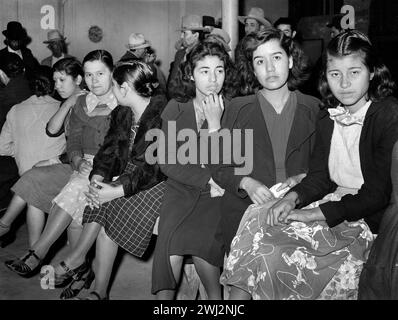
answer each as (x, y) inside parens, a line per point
(137, 41)
(54, 35)
(192, 22)
(222, 36)
(208, 22)
(15, 31)
(257, 14)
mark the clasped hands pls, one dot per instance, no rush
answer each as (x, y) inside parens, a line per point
(283, 210)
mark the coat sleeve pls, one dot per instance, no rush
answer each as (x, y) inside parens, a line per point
(74, 142)
(141, 178)
(189, 174)
(224, 174)
(374, 195)
(317, 183)
(109, 160)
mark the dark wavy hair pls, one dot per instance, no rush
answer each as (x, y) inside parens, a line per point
(138, 75)
(71, 66)
(101, 55)
(247, 82)
(42, 83)
(183, 87)
(355, 42)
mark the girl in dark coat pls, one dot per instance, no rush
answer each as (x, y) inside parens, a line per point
(313, 242)
(189, 215)
(123, 213)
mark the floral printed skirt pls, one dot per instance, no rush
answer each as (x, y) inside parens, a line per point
(72, 198)
(298, 260)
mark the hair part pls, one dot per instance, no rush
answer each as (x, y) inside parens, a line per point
(183, 87)
(355, 42)
(138, 75)
(247, 81)
(100, 55)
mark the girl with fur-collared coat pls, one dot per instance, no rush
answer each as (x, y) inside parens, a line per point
(123, 213)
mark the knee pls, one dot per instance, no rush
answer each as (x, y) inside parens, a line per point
(74, 226)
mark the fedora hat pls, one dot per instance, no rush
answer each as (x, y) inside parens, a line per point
(192, 22)
(257, 14)
(208, 22)
(222, 36)
(54, 35)
(137, 41)
(15, 31)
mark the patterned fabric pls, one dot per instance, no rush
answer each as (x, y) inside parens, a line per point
(72, 198)
(129, 221)
(298, 260)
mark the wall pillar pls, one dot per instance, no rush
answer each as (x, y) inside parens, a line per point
(230, 21)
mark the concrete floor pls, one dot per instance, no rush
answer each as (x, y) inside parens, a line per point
(131, 278)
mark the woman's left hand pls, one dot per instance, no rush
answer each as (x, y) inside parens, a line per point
(305, 215)
(213, 108)
(100, 193)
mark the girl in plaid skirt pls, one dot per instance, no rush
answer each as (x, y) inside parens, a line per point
(121, 213)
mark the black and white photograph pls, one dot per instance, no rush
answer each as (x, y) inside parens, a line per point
(205, 152)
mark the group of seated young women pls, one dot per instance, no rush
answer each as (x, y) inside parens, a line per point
(299, 225)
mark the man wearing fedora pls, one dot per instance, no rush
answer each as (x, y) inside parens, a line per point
(136, 47)
(255, 21)
(57, 45)
(192, 31)
(16, 42)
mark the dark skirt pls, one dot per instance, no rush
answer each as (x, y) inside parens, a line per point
(189, 231)
(39, 185)
(129, 221)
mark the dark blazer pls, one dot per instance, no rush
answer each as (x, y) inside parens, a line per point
(173, 72)
(31, 63)
(113, 156)
(245, 113)
(378, 135)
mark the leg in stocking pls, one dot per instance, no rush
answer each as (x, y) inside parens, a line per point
(74, 232)
(14, 209)
(210, 277)
(78, 255)
(106, 251)
(176, 266)
(57, 222)
(35, 219)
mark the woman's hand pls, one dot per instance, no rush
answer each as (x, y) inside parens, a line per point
(84, 167)
(213, 108)
(280, 210)
(291, 181)
(71, 101)
(305, 215)
(257, 191)
(100, 193)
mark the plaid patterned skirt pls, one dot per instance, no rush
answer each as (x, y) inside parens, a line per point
(129, 221)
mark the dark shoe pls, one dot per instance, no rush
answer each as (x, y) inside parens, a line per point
(26, 266)
(93, 296)
(74, 288)
(61, 280)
